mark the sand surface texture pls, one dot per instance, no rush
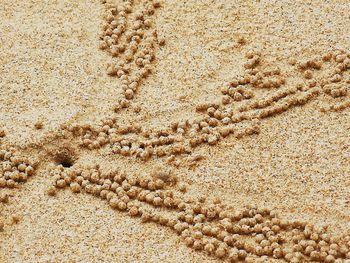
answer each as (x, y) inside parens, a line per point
(174, 131)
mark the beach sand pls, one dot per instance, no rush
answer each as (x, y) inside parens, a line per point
(52, 72)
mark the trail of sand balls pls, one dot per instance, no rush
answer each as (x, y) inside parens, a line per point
(217, 229)
(335, 85)
(127, 35)
(213, 227)
(224, 117)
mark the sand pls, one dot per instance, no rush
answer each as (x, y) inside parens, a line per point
(52, 70)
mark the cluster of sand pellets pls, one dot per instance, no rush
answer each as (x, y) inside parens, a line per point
(128, 36)
(210, 226)
(13, 168)
(238, 106)
(179, 139)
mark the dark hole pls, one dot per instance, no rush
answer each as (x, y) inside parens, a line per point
(66, 163)
(65, 157)
(64, 160)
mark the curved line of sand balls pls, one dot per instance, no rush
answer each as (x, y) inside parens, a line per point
(215, 228)
(219, 123)
(127, 34)
(181, 138)
(255, 76)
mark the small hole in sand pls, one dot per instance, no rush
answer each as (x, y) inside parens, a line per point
(65, 158)
(66, 163)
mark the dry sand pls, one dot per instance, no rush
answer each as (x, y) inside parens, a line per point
(52, 70)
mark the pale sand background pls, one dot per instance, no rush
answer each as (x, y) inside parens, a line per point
(51, 69)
